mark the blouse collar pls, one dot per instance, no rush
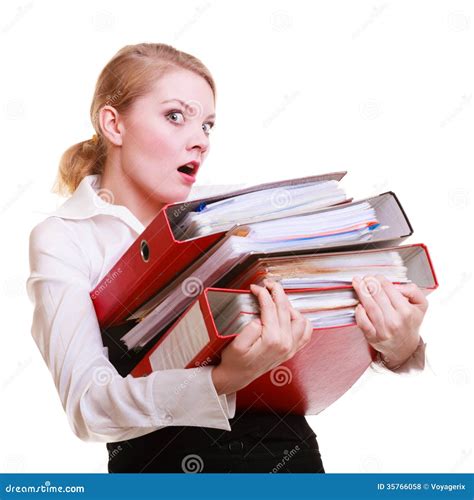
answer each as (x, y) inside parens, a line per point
(89, 200)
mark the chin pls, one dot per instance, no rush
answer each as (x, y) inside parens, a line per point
(180, 193)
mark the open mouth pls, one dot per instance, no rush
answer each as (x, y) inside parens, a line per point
(187, 169)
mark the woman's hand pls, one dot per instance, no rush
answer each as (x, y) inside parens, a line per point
(264, 343)
(390, 316)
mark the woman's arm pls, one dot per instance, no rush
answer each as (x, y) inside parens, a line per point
(100, 404)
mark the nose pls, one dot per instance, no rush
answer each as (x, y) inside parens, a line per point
(200, 140)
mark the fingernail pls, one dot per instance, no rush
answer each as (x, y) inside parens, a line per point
(357, 279)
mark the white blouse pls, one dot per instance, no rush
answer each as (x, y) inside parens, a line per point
(70, 252)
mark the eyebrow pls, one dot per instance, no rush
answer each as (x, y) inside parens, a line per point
(184, 105)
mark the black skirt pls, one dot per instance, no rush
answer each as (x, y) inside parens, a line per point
(258, 442)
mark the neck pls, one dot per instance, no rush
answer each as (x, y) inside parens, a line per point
(126, 193)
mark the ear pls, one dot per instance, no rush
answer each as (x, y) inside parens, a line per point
(111, 124)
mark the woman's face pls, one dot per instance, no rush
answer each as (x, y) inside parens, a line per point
(160, 134)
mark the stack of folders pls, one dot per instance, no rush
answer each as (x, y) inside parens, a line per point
(182, 292)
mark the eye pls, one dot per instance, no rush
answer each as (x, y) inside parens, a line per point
(210, 125)
(174, 116)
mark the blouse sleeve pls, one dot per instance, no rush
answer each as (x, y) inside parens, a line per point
(100, 404)
(415, 364)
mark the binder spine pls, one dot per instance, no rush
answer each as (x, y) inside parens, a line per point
(210, 354)
(150, 263)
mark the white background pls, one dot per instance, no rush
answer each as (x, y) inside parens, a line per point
(380, 89)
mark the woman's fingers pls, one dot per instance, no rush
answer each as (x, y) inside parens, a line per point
(303, 330)
(248, 336)
(301, 327)
(414, 295)
(295, 314)
(291, 331)
(307, 333)
(267, 306)
(268, 313)
(375, 301)
(282, 305)
(364, 323)
(396, 297)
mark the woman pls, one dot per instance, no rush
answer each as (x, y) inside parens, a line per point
(152, 110)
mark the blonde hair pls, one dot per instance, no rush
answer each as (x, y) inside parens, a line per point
(131, 73)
